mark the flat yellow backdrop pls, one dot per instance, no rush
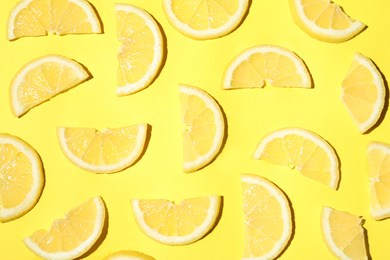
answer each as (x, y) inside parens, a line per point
(250, 114)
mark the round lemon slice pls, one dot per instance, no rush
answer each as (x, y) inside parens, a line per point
(128, 255)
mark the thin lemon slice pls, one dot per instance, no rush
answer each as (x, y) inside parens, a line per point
(363, 92)
(324, 20)
(266, 63)
(21, 177)
(43, 78)
(38, 17)
(268, 221)
(301, 149)
(108, 151)
(343, 234)
(203, 20)
(128, 255)
(140, 55)
(173, 223)
(204, 127)
(72, 236)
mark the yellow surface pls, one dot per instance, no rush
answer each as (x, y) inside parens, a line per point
(251, 114)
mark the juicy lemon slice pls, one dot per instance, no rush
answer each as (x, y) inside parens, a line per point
(268, 221)
(204, 127)
(72, 236)
(41, 79)
(343, 234)
(128, 255)
(141, 52)
(173, 223)
(37, 17)
(203, 20)
(266, 63)
(324, 20)
(301, 149)
(363, 92)
(21, 177)
(108, 151)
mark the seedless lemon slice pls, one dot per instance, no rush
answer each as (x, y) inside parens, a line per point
(324, 20)
(204, 127)
(128, 255)
(173, 223)
(141, 52)
(38, 17)
(301, 149)
(266, 63)
(343, 234)
(72, 236)
(21, 177)
(363, 92)
(43, 78)
(203, 20)
(268, 222)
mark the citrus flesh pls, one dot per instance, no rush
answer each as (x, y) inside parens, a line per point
(21, 177)
(141, 52)
(275, 65)
(268, 221)
(343, 234)
(179, 223)
(205, 19)
(38, 17)
(107, 151)
(72, 236)
(363, 92)
(204, 127)
(128, 255)
(301, 149)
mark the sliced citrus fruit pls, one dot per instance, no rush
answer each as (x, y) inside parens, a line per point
(324, 20)
(363, 92)
(202, 20)
(301, 149)
(268, 222)
(255, 66)
(128, 255)
(43, 78)
(108, 151)
(141, 52)
(343, 234)
(204, 127)
(173, 223)
(21, 177)
(38, 17)
(72, 236)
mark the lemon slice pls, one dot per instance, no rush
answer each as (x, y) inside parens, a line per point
(268, 221)
(173, 223)
(266, 63)
(141, 52)
(324, 20)
(204, 127)
(72, 236)
(128, 255)
(21, 177)
(343, 234)
(202, 20)
(108, 151)
(301, 149)
(38, 17)
(43, 78)
(363, 92)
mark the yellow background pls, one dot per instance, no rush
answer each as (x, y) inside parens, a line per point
(250, 114)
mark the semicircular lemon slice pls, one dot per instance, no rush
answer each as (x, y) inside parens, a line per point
(324, 20)
(173, 223)
(268, 222)
(38, 17)
(128, 255)
(21, 177)
(363, 92)
(202, 20)
(304, 150)
(257, 65)
(72, 236)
